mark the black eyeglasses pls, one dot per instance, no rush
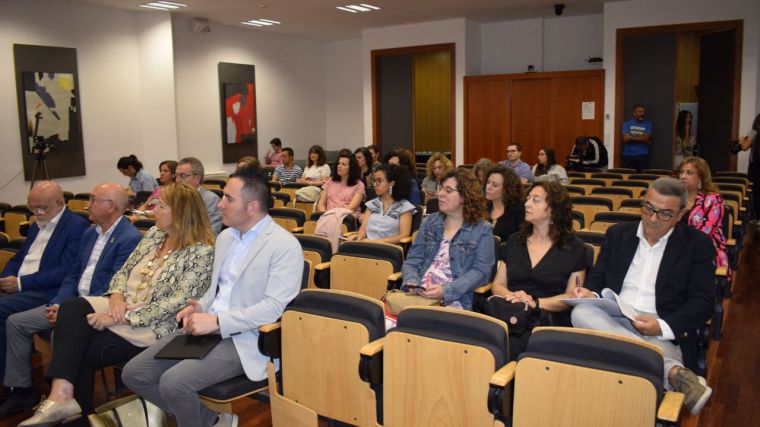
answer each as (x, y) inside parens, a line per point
(662, 214)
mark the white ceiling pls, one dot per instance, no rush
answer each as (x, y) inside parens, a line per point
(319, 19)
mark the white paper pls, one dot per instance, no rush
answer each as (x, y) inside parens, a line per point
(588, 110)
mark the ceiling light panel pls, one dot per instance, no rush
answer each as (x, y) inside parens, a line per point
(261, 22)
(355, 8)
(162, 5)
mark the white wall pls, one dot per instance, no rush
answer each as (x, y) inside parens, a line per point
(570, 41)
(449, 31)
(290, 95)
(110, 46)
(644, 13)
(344, 119)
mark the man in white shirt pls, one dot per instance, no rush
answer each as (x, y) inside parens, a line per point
(190, 171)
(666, 271)
(103, 249)
(257, 272)
(35, 273)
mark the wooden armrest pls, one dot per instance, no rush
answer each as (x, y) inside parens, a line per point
(349, 233)
(483, 289)
(721, 271)
(731, 242)
(738, 223)
(504, 375)
(395, 277)
(373, 348)
(322, 266)
(742, 209)
(297, 230)
(406, 240)
(269, 327)
(670, 406)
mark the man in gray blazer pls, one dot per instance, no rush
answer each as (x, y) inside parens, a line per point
(257, 272)
(190, 171)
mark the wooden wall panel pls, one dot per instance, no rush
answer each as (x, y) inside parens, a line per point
(531, 116)
(567, 95)
(432, 101)
(487, 119)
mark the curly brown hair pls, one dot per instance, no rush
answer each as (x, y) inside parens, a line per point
(438, 157)
(468, 187)
(512, 190)
(561, 220)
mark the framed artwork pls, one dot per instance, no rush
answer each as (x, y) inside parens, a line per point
(237, 88)
(51, 108)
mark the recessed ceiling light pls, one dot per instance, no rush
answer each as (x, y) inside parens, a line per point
(261, 22)
(162, 5)
(361, 7)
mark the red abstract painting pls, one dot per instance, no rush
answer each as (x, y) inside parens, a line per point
(240, 112)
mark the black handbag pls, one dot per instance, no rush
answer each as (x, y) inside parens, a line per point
(518, 316)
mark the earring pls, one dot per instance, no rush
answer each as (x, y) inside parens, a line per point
(390, 190)
(699, 186)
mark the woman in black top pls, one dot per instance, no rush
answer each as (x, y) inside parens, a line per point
(545, 261)
(504, 193)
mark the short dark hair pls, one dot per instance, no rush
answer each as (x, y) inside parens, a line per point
(354, 173)
(276, 141)
(127, 161)
(517, 146)
(196, 166)
(289, 151)
(635, 106)
(402, 189)
(403, 159)
(255, 185)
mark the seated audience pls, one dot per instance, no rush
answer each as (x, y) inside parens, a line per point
(547, 168)
(139, 179)
(522, 169)
(480, 168)
(506, 205)
(166, 176)
(317, 170)
(190, 171)
(257, 274)
(587, 153)
(375, 154)
(665, 270)
(170, 265)
(287, 172)
(363, 159)
(543, 263)
(345, 189)
(102, 251)
(250, 161)
(34, 274)
(402, 157)
(274, 154)
(454, 249)
(704, 206)
(437, 166)
(388, 217)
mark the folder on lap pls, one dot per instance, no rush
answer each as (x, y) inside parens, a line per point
(189, 347)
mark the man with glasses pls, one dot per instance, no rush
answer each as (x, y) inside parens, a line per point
(102, 251)
(666, 271)
(190, 171)
(522, 169)
(33, 276)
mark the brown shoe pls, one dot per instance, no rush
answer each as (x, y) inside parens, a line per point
(694, 388)
(51, 413)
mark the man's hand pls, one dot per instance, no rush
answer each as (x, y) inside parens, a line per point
(193, 306)
(647, 325)
(200, 324)
(9, 284)
(100, 321)
(51, 314)
(117, 307)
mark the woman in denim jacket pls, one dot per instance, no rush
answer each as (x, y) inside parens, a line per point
(454, 249)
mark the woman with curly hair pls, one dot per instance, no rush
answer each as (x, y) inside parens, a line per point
(543, 263)
(454, 249)
(437, 166)
(481, 167)
(504, 193)
(345, 188)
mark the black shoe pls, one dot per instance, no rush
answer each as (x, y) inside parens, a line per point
(18, 402)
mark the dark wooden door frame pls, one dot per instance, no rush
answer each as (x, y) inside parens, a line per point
(736, 25)
(447, 47)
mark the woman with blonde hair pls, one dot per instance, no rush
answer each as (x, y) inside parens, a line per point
(437, 166)
(170, 265)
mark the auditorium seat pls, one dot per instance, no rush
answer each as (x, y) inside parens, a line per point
(361, 267)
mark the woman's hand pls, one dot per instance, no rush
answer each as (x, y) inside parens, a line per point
(521, 296)
(117, 306)
(100, 321)
(433, 292)
(353, 238)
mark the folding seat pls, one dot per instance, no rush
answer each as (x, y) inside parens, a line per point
(361, 267)
(589, 206)
(605, 220)
(638, 187)
(579, 220)
(349, 223)
(643, 176)
(322, 333)
(144, 224)
(660, 172)
(140, 198)
(622, 171)
(616, 194)
(289, 218)
(607, 177)
(434, 367)
(15, 219)
(218, 183)
(631, 205)
(292, 187)
(577, 174)
(316, 249)
(575, 190)
(579, 377)
(592, 238)
(587, 184)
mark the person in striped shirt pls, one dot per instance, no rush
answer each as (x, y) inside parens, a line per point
(287, 171)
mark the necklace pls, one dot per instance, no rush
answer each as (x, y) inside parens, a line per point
(146, 281)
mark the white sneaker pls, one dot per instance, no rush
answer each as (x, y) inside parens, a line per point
(227, 420)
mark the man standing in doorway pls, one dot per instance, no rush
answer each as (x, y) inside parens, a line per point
(637, 137)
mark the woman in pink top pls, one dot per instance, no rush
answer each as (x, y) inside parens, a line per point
(345, 188)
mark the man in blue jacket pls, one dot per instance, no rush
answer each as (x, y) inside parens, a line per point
(102, 251)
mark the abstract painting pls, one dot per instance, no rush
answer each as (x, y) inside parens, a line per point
(51, 106)
(240, 112)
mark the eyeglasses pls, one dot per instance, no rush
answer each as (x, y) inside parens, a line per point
(94, 199)
(662, 214)
(184, 176)
(39, 210)
(511, 151)
(448, 190)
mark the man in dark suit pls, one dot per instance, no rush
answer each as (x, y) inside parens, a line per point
(102, 251)
(34, 274)
(666, 271)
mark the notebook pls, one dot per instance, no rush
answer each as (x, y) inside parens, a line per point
(188, 347)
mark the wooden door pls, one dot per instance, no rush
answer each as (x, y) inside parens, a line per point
(487, 119)
(531, 116)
